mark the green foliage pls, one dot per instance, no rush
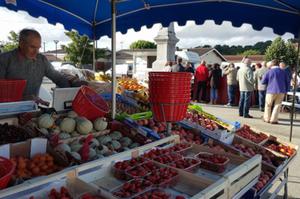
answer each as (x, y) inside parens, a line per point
(142, 44)
(80, 50)
(237, 50)
(283, 51)
(250, 52)
(13, 41)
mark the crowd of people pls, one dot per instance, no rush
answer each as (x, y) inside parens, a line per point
(268, 82)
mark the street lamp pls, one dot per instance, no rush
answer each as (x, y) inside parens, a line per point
(56, 42)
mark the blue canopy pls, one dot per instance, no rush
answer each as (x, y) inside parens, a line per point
(93, 17)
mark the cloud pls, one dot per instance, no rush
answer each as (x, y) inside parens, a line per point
(212, 34)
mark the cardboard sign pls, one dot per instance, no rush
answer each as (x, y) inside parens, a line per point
(38, 146)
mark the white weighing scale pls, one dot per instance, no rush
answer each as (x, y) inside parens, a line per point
(63, 97)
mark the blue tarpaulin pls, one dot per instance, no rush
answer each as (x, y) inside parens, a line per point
(94, 16)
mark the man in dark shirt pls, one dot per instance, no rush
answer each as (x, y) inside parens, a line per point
(27, 63)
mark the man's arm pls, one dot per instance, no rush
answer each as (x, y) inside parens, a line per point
(55, 76)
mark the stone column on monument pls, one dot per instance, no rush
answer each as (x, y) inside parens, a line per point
(166, 46)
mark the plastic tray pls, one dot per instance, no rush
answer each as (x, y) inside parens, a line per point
(146, 185)
(163, 179)
(192, 168)
(168, 194)
(146, 166)
(168, 158)
(121, 173)
(215, 167)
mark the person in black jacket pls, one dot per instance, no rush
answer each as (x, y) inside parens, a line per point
(215, 81)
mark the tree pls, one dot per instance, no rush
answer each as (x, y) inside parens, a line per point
(80, 50)
(142, 44)
(251, 52)
(283, 51)
(13, 41)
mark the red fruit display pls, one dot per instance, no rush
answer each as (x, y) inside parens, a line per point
(132, 188)
(206, 123)
(157, 194)
(62, 194)
(157, 152)
(162, 177)
(120, 168)
(188, 164)
(179, 147)
(90, 196)
(264, 178)
(249, 134)
(168, 158)
(158, 127)
(142, 169)
(266, 155)
(187, 135)
(213, 162)
(285, 150)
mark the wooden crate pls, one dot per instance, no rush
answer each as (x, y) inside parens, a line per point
(36, 183)
(238, 179)
(246, 171)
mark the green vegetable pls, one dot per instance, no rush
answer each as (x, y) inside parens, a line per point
(100, 124)
(84, 126)
(45, 121)
(125, 141)
(116, 135)
(104, 139)
(63, 148)
(67, 125)
(64, 135)
(72, 114)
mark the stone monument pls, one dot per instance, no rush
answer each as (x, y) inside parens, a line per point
(166, 45)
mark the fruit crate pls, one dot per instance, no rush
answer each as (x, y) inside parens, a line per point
(214, 166)
(99, 173)
(219, 134)
(240, 171)
(276, 161)
(161, 193)
(131, 188)
(255, 193)
(280, 147)
(253, 133)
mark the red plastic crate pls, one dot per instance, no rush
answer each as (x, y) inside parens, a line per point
(11, 90)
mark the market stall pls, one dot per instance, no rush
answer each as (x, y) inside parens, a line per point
(200, 156)
(210, 136)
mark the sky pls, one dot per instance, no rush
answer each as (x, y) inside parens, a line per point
(189, 36)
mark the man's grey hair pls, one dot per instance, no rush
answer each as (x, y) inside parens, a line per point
(25, 33)
(275, 62)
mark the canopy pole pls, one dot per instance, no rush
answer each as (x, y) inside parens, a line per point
(295, 89)
(113, 62)
(94, 52)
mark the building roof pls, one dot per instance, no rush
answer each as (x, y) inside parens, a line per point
(204, 51)
(238, 58)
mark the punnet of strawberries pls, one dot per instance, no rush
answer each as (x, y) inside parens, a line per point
(185, 163)
(249, 134)
(142, 169)
(120, 168)
(213, 162)
(132, 187)
(162, 177)
(157, 194)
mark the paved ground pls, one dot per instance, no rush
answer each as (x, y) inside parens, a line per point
(281, 130)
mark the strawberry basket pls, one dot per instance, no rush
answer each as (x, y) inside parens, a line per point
(213, 162)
